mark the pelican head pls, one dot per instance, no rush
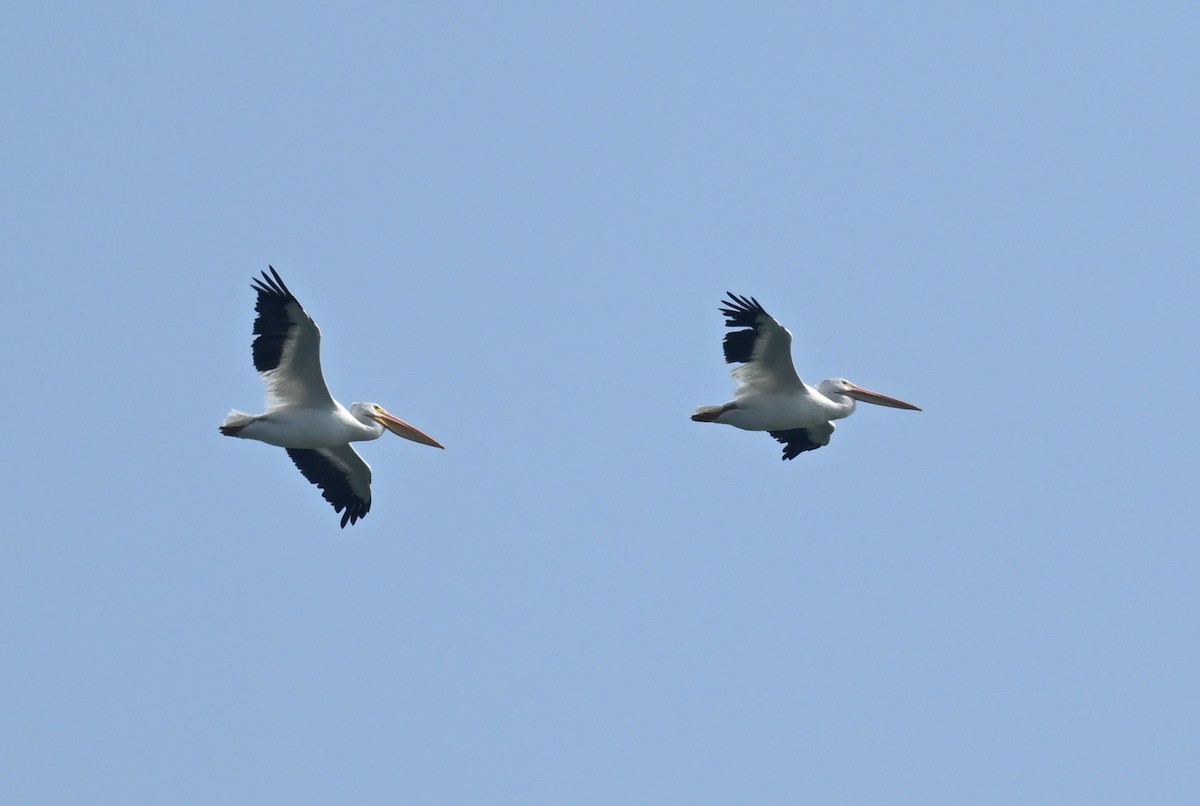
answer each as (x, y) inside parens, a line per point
(841, 386)
(376, 412)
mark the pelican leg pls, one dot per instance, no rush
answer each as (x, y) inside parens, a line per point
(235, 422)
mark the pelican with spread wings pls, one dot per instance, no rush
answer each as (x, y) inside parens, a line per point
(770, 395)
(301, 416)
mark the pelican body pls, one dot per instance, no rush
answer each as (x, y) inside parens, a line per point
(770, 395)
(301, 416)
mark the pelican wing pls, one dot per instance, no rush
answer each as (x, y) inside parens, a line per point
(287, 348)
(763, 348)
(798, 440)
(341, 474)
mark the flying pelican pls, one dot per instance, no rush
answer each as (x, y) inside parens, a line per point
(301, 415)
(770, 395)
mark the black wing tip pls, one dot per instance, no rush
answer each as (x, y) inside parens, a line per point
(795, 442)
(740, 311)
(354, 513)
(744, 312)
(271, 285)
(274, 322)
(334, 488)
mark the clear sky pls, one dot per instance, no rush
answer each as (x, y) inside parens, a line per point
(514, 223)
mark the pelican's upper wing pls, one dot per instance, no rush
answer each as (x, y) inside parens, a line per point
(342, 475)
(764, 349)
(287, 350)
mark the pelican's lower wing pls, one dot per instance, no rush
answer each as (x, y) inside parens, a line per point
(798, 440)
(342, 475)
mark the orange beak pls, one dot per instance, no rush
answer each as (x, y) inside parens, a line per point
(403, 429)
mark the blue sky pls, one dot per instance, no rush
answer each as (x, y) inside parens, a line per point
(514, 225)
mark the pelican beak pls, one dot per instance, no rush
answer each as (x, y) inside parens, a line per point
(403, 429)
(867, 396)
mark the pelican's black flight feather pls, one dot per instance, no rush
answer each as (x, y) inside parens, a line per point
(741, 312)
(274, 322)
(321, 469)
(795, 442)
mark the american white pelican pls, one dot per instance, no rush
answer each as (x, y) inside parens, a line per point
(770, 396)
(301, 415)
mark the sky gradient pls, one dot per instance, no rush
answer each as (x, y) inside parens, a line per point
(514, 226)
